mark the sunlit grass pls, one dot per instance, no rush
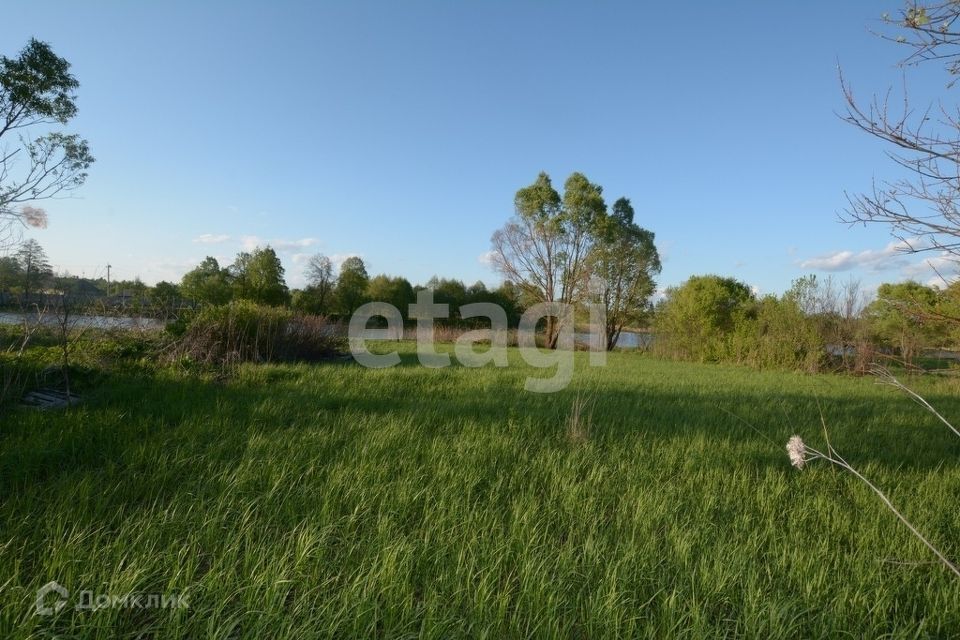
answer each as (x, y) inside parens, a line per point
(335, 501)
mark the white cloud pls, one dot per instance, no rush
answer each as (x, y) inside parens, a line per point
(837, 261)
(890, 257)
(338, 258)
(249, 243)
(211, 238)
(895, 256)
(935, 269)
(486, 258)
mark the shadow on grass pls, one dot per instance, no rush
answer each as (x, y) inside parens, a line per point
(212, 423)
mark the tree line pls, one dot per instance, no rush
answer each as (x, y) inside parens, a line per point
(816, 324)
(258, 276)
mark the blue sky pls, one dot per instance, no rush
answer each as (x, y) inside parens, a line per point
(399, 131)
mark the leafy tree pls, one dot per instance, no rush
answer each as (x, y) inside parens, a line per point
(35, 267)
(904, 316)
(396, 291)
(320, 282)
(9, 272)
(697, 320)
(543, 249)
(258, 276)
(36, 93)
(352, 284)
(77, 286)
(448, 291)
(164, 297)
(623, 262)
(507, 296)
(478, 292)
(207, 283)
(779, 334)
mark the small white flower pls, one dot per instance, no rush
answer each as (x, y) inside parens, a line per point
(797, 452)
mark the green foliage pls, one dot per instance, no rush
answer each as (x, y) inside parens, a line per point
(779, 335)
(207, 283)
(916, 18)
(39, 82)
(316, 297)
(396, 291)
(449, 291)
(165, 298)
(164, 293)
(544, 249)
(540, 203)
(583, 205)
(906, 317)
(37, 90)
(714, 319)
(35, 269)
(697, 320)
(258, 276)
(623, 262)
(351, 291)
(243, 331)
(508, 297)
(10, 273)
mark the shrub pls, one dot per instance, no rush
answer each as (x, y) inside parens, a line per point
(243, 331)
(697, 320)
(714, 319)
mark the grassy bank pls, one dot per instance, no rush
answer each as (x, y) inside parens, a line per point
(334, 501)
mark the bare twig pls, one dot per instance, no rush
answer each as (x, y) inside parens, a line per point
(885, 377)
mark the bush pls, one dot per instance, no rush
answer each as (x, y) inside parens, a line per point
(714, 319)
(243, 331)
(697, 320)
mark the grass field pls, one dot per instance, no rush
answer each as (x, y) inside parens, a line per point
(333, 501)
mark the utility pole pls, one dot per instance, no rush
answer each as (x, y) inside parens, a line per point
(108, 280)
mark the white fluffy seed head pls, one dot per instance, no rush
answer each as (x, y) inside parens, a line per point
(34, 217)
(797, 452)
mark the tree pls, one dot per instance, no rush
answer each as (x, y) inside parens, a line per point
(207, 283)
(543, 249)
(352, 285)
(35, 267)
(9, 272)
(904, 317)
(478, 292)
(697, 319)
(396, 291)
(164, 297)
(449, 291)
(258, 276)
(507, 296)
(922, 209)
(36, 93)
(320, 283)
(622, 263)
(836, 310)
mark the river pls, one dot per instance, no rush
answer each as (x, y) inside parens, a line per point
(82, 321)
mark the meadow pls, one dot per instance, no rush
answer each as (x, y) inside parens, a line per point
(333, 501)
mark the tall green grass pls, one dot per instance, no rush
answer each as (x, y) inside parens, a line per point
(332, 501)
